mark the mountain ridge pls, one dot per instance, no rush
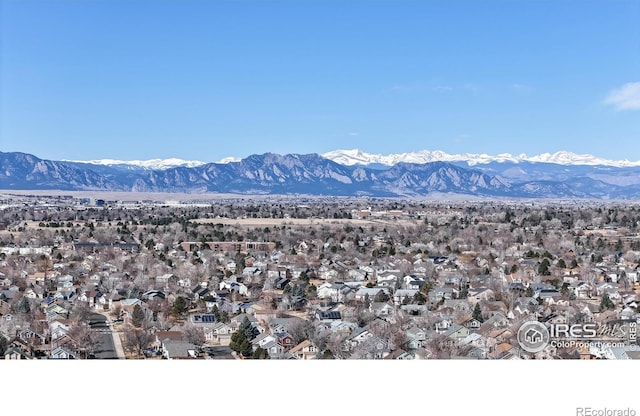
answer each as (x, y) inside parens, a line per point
(313, 174)
(149, 164)
(356, 156)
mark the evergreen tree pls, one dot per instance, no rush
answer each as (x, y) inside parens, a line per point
(240, 262)
(606, 303)
(619, 245)
(426, 288)
(260, 354)
(179, 307)
(137, 316)
(381, 297)
(367, 301)
(477, 313)
(464, 292)
(543, 269)
(24, 306)
(246, 349)
(419, 298)
(4, 344)
(529, 292)
(224, 317)
(247, 329)
(216, 312)
(327, 355)
(241, 339)
(237, 339)
(311, 291)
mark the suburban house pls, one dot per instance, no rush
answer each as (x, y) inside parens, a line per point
(178, 349)
(416, 338)
(16, 353)
(306, 350)
(219, 334)
(456, 332)
(381, 309)
(285, 340)
(365, 292)
(336, 291)
(398, 354)
(161, 336)
(62, 353)
(59, 328)
(404, 296)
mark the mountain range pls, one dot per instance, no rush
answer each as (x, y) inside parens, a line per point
(339, 173)
(358, 157)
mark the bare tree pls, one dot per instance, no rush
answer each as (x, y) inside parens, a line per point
(193, 334)
(300, 330)
(336, 344)
(440, 346)
(320, 338)
(371, 348)
(86, 338)
(137, 339)
(81, 312)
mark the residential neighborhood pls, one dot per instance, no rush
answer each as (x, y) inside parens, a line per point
(315, 278)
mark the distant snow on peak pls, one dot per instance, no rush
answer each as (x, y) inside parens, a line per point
(568, 158)
(151, 164)
(352, 157)
(229, 159)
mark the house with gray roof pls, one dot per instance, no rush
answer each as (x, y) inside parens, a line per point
(178, 349)
(416, 337)
(363, 292)
(400, 295)
(62, 353)
(382, 309)
(17, 353)
(336, 291)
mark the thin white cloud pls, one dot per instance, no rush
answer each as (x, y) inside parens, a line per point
(520, 88)
(407, 88)
(442, 88)
(354, 133)
(626, 97)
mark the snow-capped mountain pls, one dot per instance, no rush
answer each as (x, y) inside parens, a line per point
(229, 159)
(151, 164)
(358, 157)
(354, 157)
(312, 174)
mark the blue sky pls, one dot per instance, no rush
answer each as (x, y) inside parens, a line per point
(204, 80)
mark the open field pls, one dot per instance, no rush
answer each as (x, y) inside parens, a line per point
(131, 196)
(121, 196)
(270, 222)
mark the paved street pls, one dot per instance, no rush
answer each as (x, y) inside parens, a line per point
(110, 347)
